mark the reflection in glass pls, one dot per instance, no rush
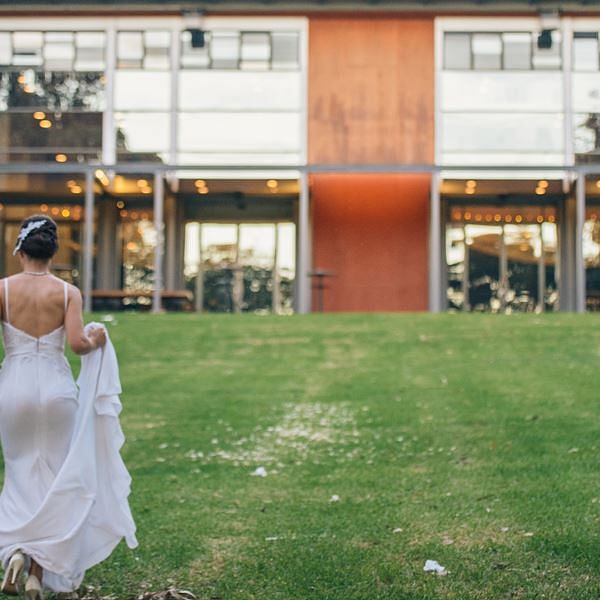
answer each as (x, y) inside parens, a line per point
(285, 50)
(142, 132)
(51, 90)
(548, 58)
(68, 132)
(256, 50)
(138, 238)
(587, 133)
(517, 51)
(27, 48)
(130, 49)
(244, 267)
(142, 90)
(502, 268)
(585, 51)
(457, 51)
(487, 51)
(225, 50)
(591, 257)
(194, 58)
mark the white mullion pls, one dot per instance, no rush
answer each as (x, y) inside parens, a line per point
(109, 134)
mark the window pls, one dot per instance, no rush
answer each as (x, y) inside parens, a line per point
(143, 50)
(245, 50)
(494, 51)
(517, 51)
(585, 51)
(487, 51)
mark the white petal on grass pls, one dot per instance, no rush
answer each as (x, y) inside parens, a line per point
(398, 530)
(334, 498)
(259, 472)
(433, 566)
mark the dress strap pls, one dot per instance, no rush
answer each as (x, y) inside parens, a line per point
(65, 289)
(6, 299)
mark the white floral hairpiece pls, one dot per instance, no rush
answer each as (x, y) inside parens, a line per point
(31, 226)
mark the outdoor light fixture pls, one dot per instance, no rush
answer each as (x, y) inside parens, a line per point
(194, 21)
(544, 41)
(549, 22)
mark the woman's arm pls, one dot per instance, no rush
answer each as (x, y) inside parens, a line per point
(79, 342)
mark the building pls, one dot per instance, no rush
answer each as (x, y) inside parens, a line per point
(315, 155)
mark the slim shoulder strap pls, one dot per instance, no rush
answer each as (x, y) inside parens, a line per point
(6, 299)
(66, 294)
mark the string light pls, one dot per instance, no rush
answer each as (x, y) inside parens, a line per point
(60, 158)
(45, 124)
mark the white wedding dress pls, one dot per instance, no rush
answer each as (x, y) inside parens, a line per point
(64, 500)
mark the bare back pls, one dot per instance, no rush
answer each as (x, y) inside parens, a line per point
(35, 304)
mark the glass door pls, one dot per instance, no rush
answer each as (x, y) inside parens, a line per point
(501, 262)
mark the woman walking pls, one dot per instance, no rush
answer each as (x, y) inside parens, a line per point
(48, 527)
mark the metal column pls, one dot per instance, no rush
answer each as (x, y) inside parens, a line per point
(435, 246)
(303, 262)
(88, 241)
(159, 226)
(199, 297)
(276, 294)
(580, 291)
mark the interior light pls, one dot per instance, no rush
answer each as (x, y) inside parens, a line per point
(28, 89)
(542, 183)
(540, 191)
(65, 212)
(508, 218)
(21, 79)
(467, 216)
(518, 219)
(120, 204)
(44, 207)
(146, 190)
(203, 190)
(134, 214)
(71, 183)
(470, 191)
(488, 218)
(142, 183)
(497, 218)
(540, 219)
(45, 124)
(55, 211)
(39, 115)
(76, 189)
(200, 183)
(478, 217)
(551, 219)
(471, 183)
(60, 158)
(272, 184)
(598, 183)
(123, 213)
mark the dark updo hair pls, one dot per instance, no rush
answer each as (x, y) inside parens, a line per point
(41, 243)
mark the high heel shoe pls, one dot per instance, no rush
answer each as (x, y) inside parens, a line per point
(33, 589)
(13, 572)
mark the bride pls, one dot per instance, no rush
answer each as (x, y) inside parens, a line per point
(53, 518)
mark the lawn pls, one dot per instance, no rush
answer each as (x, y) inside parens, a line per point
(387, 440)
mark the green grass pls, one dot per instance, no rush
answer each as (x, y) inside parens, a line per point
(477, 436)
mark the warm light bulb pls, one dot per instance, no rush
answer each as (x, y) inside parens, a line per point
(39, 115)
(45, 124)
(272, 184)
(60, 158)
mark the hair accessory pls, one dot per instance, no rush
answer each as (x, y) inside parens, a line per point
(32, 226)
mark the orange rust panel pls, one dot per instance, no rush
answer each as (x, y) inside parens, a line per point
(371, 90)
(371, 231)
